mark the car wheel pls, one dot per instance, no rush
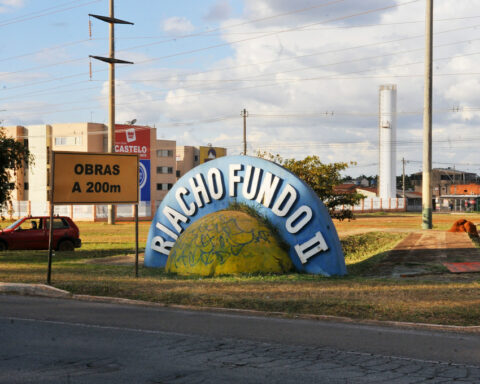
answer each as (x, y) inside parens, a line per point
(66, 245)
(3, 246)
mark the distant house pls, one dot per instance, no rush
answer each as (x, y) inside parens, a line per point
(367, 191)
(443, 179)
(345, 188)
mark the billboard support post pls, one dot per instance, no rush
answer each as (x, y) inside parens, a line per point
(136, 240)
(50, 229)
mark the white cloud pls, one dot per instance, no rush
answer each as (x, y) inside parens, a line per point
(10, 5)
(315, 91)
(177, 25)
(309, 11)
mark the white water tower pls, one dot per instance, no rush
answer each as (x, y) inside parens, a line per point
(387, 186)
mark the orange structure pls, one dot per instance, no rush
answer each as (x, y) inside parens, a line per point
(465, 189)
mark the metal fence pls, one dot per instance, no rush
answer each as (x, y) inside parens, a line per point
(19, 209)
(377, 204)
(126, 211)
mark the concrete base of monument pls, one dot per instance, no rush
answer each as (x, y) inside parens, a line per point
(228, 242)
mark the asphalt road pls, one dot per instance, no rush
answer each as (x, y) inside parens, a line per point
(45, 340)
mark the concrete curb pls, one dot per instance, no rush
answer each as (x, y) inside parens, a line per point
(48, 291)
(285, 315)
(33, 290)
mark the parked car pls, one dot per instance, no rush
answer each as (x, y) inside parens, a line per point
(32, 232)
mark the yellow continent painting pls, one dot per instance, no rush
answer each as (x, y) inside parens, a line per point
(228, 242)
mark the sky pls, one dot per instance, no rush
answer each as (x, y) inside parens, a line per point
(307, 71)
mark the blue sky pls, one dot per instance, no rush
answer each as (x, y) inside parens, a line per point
(308, 72)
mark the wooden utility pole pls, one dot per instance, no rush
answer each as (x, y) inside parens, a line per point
(111, 60)
(244, 113)
(403, 178)
(427, 121)
(111, 100)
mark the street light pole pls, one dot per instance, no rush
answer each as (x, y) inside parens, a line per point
(244, 113)
(427, 122)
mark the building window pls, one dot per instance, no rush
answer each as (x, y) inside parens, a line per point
(196, 158)
(164, 186)
(164, 153)
(167, 170)
(68, 140)
(25, 186)
(60, 141)
(178, 173)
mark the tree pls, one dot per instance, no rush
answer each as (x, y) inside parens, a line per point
(322, 178)
(13, 156)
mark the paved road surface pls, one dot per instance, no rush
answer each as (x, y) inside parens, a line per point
(66, 341)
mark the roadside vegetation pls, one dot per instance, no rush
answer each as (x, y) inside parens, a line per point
(101, 268)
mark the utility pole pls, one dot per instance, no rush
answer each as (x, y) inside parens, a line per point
(427, 121)
(403, 178)
(244, 113)
(111, 60)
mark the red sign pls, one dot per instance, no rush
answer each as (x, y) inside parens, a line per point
(133, 139)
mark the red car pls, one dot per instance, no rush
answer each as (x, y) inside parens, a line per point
(33, 233)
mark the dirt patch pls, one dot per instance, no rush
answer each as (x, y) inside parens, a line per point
(117, 260)
(421, 254)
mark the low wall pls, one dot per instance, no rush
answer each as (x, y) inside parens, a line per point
(377, 204)
(82, 212)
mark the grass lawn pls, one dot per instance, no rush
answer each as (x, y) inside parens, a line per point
(356, 296)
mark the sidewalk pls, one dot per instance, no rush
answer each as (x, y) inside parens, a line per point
(424, 252)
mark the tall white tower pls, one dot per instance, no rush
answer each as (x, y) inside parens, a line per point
(387, 138)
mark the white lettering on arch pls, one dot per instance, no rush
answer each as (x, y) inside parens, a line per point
(267, 189)
(215, 183)
(234, 179)
(285, 201)
(292, 225)
(250, 184)
(174, 218)
(192, 208)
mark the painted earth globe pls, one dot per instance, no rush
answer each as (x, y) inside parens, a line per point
(228, 242)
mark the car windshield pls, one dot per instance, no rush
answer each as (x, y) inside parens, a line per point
(14, 224)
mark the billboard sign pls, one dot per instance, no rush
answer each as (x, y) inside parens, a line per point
(135, 139)
(144, 180)
(211, 153)
(94, 178)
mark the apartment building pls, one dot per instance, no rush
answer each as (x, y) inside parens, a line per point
(189, 157)
(159, 168)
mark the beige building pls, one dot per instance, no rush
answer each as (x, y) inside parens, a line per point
(161, 156)
(189, 157)
(163, 167)
(21, 178)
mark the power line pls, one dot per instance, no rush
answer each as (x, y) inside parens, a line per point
(52, 48)
(209, 33)
(271, 34)
(45, 12)
(256, 64)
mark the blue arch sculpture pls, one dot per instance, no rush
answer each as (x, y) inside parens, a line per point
(290, 205)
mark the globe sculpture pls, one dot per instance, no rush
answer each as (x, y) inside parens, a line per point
(228, 242)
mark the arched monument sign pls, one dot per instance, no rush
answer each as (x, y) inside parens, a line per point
(290, 205)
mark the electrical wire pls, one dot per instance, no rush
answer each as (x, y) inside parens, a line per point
(45, 12)
(261, 63)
